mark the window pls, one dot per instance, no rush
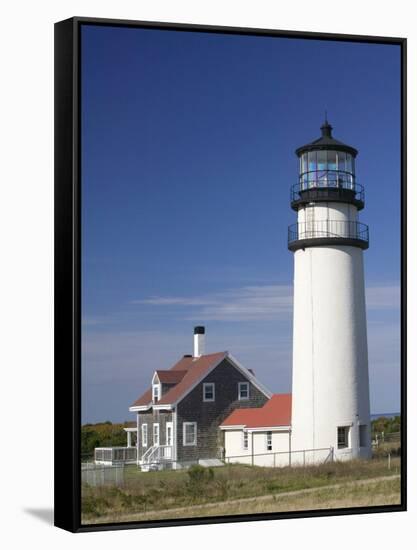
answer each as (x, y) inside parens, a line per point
(208, 391)
(331, 160)
(349, 164)
(156, 434)
(321, 168)
(303, 171)
(363, 435)
(243, 391)
(189, 433)
(269, 441)
(144, 435)
(156, 392)
(312, 161)
(341, 161)
(245, 441)
(342, 437)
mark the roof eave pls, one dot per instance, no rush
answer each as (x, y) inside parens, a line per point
(233, 427)
(280, 428)
(328, 146)
(138, 408)
(162, 406)
(251, 377)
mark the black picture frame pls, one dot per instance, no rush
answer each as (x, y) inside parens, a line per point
(68, 270)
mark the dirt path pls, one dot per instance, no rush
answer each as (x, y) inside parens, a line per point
(174, 512)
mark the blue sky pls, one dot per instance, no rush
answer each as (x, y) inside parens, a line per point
(188, 146)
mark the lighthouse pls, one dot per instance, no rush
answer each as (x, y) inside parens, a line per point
(330, 383)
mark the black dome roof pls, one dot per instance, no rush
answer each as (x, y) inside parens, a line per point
(326, 141)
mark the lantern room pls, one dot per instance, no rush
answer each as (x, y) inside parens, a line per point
(326, 172)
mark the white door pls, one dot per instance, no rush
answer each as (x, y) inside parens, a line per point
(169, 434)
(169, 439)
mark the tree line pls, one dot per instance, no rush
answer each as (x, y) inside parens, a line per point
(103, 434)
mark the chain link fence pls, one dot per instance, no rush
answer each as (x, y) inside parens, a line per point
(99, 474)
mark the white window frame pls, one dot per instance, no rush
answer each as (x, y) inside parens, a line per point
(205, 386)
(347, 431)
(240, 385)
(156, 387)
(245, 440)
(268, 441)
(156, 432)
(144, 435)
(184, 431)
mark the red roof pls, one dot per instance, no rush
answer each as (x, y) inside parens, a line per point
(275, 412)
(170, 376)
(192, 369)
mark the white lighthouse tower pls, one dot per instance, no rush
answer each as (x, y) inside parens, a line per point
(330, 384)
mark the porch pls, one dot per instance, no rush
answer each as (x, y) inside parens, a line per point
(117, 455)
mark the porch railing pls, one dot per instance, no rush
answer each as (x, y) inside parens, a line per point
(115, 455)
(157, 454)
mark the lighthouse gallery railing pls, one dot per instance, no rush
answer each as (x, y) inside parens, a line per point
(327, 229)
(323, 188)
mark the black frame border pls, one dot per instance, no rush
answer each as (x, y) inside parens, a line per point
(67, 307)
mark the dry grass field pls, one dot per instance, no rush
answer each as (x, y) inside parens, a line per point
(240, 489)
(376, 492)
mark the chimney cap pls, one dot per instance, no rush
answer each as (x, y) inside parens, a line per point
(199, 330)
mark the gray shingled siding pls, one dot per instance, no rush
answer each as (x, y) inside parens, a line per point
(209, 415)
(151, 417)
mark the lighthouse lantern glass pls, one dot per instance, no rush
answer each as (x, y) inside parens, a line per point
(312, 166)
(341, 161)
(321, 168)
(331, 160)
(324, 168)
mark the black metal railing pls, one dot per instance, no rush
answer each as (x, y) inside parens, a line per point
(328, 229)
(327, 184)
(340, 176)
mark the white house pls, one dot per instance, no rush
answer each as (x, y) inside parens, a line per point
(262, 436)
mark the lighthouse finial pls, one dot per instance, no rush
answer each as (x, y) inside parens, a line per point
(326, 128)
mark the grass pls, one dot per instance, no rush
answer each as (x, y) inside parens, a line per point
(349, 495)
(236, 487)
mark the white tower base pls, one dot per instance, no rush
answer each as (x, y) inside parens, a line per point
(330, 358)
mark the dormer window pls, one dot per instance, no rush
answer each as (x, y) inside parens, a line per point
(156, 388)
(156, 392)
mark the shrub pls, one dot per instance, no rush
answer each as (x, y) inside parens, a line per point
(199, 475)
(198, 479)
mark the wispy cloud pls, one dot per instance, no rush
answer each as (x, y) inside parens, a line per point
(175, 301)
(118, 361)
(383, 297)
(249, 303)
(257, 303)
